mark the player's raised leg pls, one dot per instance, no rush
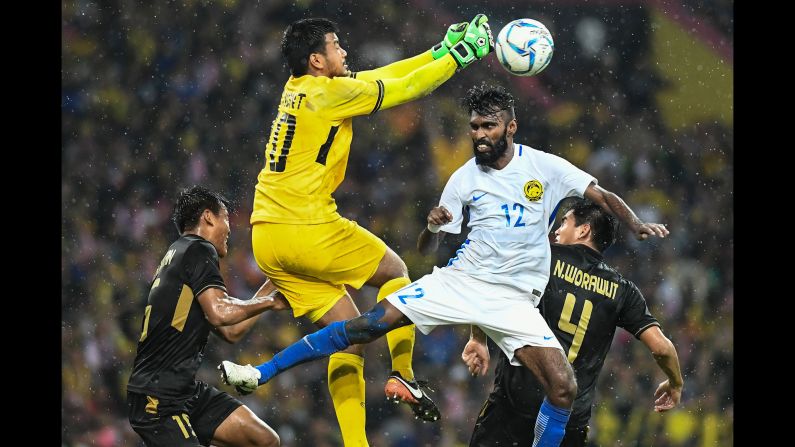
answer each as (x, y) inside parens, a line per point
(339, 335)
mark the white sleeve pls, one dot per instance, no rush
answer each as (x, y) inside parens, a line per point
(451, 199)
(568, 179)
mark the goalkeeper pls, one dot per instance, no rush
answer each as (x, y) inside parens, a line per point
(299, 239)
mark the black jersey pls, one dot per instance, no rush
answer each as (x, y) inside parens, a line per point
(175, 329)
(585, 300)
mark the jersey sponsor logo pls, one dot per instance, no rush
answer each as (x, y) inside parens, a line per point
(548, 338)
(533, 190)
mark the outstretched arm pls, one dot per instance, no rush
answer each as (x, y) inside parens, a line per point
(428, 241)
(417, 83)
(374, 323)
(231, 317)
(346, 97)
(616, 206)
(477, 42)
(395, 69)
(354, 97)
(668, 393)
(403, 67)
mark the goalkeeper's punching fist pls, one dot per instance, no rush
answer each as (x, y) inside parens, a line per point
(476, 44)
(454, 35)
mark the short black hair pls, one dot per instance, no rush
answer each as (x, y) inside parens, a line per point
(604, 226)
(488, 100)
(191, 204)
(302, 38)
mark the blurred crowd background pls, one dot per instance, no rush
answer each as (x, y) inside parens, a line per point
(157, 96)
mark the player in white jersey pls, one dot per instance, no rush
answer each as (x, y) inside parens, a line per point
(495, 280)
(509, 211)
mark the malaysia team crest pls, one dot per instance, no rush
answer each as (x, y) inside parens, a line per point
(533, 190)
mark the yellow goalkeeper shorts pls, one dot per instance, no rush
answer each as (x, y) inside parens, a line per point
(310, 264)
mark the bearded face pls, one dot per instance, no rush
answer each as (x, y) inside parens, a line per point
(488, 152)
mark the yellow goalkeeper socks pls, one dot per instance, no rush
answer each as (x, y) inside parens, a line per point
(401, 340)
(346, 385)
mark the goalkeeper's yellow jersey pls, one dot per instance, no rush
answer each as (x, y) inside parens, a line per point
(307, 151)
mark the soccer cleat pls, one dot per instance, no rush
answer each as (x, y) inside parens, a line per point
(245, 379)
(412, 392)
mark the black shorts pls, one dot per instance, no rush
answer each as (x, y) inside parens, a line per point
(499, 425)
(186, 422)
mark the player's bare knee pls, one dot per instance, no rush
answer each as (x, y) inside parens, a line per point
(273, 441)
(563, 390)
(570, 389)
(270, 441)
(244, 427)
(264, 436)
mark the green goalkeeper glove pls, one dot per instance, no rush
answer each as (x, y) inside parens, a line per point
(477, 43)
(454, 35)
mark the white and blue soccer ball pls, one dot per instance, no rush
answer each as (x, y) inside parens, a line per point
(525, 47)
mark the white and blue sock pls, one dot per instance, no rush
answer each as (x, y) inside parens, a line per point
(550, 425)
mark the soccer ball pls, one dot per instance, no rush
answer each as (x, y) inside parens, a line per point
(525, 47)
